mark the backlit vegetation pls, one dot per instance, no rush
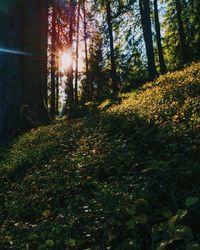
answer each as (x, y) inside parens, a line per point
(125, 177)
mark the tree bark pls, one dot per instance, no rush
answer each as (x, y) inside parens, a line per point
(34, 23)
(88, 87)
(77, 53)
(147, 33)
(70, 89)
(10, 78)
(44, 13)
(183, 43)
(57, 62)
(53, 63)
(112, 53)
(158, 39)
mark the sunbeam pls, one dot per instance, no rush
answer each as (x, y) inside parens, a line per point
(16, 52)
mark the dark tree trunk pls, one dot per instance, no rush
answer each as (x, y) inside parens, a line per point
(69, 87)
(198, 26)
(10, 79)
(44, 12)
(147, 33)
(77, 53)
(183, 43)
(23, 76)
(34, 23)
(88, 87)
(158, 38)
(112, 53)
(57, 93)
(53, 63)
(57, 62)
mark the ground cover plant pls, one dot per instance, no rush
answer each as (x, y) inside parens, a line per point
(126, 176)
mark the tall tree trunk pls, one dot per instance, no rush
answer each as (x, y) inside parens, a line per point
(147, 33)
(10, 79)
(70, 89)
(53, 63)
(34, 23)
(112, 53)
(44, 13)
(57, 62)
(158, 38)
(77, 53)
(88, 89)
(183, 43)
(57, 93)
(198, 26)
(23, 25)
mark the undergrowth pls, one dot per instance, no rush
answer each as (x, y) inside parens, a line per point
(126, 177)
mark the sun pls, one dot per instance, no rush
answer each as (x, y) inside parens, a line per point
(65, 60)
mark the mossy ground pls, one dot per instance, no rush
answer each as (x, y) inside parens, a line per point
(124, 177)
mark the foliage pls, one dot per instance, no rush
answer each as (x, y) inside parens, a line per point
(171, 39)
(125, 177)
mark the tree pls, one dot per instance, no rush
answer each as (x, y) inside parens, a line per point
(147, 33)
(87, 87)
(181, 30)
(104, 6)
(112, 53)
(57, 63)
(10, 78)
(53, 62)
(34, 29)
(77, 52)
(96, 65)
(158, 38)
(190, 14)
(70, 88)
(24, 79)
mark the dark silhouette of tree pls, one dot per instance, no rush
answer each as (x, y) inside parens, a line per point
(181, 30)
(77, 52)
(158, 38)
(70, 88)
(87, 84)
(112, 52)
(53, 62)
(147, 33)
(34, 67)
(10, 78)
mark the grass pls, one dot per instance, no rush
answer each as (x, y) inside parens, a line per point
(125, 177)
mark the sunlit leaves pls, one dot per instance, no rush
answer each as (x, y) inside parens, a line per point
(190, 201)
(125, 175)
(49, 243)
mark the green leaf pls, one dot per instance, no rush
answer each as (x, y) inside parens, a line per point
(164, 244)
(193, 246)
(49, 243)
(131, 211)
(71, 242)
(167, 214)
(141, 219)
(190, 201)
(131, 224)
(182, 232)
(46, 213)
(180, 215)
(33, 237)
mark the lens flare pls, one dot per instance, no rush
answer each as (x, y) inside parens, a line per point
(16, 52)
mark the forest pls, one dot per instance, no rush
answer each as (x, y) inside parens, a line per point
(100, 124)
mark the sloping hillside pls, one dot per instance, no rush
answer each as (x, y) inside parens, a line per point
(125, 177)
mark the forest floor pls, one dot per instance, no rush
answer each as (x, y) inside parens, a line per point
(126, 176)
